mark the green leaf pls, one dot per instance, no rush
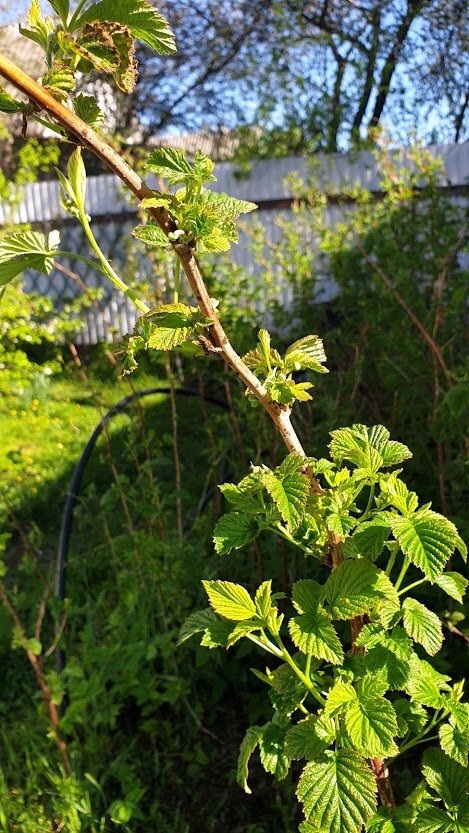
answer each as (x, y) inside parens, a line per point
(425, 685)
(87, 109)
(169, 325)
(272, 750)
(427, 538)
(434, 820)
(230, 600)
(287, 691)
(171, 164)
(411, 717)
(289, 493)
(248, 745)
(195, 623)
(8, 104)
(152, 235)
(77, 177)
(27, 250)
(371, 725)
(263, 599)
(455, 742)
(454, 584)
(422, 625)
(62, 8)
(34, 646)
(356, 587)
(306, 354)
(398, 494)
(302, 740)
(224, 206)
(313, 633)
(59, 80)
(394, 670)
(367, 448)
(233, 531)
(288, 391)
(217, 634)
(448, 778)
(242, 497)
(306, 595)
(143, 20)
(340, 523)
(339, 698)
(367, 540)
(338, 791)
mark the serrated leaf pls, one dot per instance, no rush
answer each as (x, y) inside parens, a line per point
(143, 20)
(248, 745)
(448, 778)
(356, 587)
(454, 584)
(368, 448)
(340, 523)
(243, 499)
(289, 494)
(195, 623)
(241, 630)
(427, 538)
(411, 717)
(233, 531)
(398, 494)
(338, 791)
(291, 464)
(287, 691)
(395, 670)
(171, 164)
(152, 235)
(217, 634)
(170, 325)
(422, 625)
(455, 742)
(87, 109)
(306, 595)
(314, 633)
(230, 600)
(272, 750)
(302, 740)
(425, 685)
(339, 698)
(8, 104)
(59, 80)
(263, 599)
(367, 540)
(371, 725)
(26, 250)
(434, 820)
(226, 207)
(306, 354)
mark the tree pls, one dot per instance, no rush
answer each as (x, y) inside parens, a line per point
(325, 71)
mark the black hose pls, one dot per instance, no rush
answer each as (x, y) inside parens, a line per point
(74, 490)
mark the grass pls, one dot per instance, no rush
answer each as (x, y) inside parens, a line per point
(43, 438)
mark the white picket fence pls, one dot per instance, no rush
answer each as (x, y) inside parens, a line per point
(113, 216)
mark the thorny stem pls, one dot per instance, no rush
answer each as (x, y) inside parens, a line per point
(279, 414)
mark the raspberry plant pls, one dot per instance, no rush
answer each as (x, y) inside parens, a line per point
(348, 681)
